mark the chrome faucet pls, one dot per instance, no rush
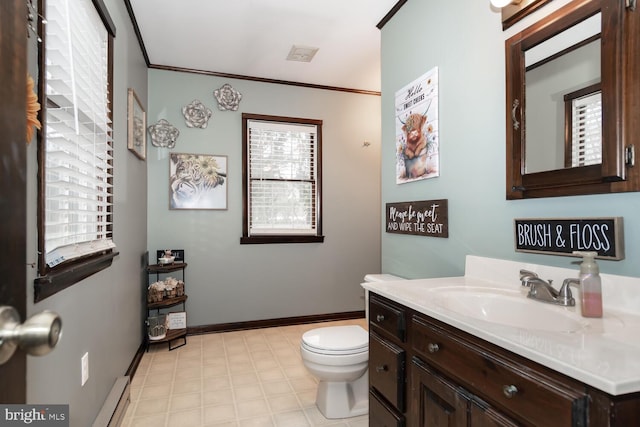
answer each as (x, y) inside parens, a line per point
(542, 290)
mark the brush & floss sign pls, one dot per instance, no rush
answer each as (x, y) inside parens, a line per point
(562, 236)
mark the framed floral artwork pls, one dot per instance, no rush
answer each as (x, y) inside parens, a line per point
(197, 181)
(137, 126)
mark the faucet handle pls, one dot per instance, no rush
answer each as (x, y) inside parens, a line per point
(565, 293)
(525, 276)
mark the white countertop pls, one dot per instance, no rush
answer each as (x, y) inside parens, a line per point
(604, 355)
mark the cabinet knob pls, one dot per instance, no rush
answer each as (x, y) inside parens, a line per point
(509, 391)
(433, 348)
(382, 368)
(380, 317)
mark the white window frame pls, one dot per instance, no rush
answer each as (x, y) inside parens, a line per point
(75, 147)
(270, 213)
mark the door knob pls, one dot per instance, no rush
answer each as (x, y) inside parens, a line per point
(38, 335)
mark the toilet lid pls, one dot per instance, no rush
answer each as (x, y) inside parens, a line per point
(337, 339)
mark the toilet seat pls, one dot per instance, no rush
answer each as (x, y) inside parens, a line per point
(336, 340)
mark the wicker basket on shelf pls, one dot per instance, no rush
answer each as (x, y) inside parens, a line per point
(155, 295)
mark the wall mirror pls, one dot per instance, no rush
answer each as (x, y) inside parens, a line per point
(570, 107)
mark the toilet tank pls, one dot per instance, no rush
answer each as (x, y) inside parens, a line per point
(376, 278)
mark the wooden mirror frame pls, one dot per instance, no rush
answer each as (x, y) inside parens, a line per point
(620, 53)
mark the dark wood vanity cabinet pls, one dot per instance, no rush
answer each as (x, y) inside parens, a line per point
(423, 372)
(387, 363)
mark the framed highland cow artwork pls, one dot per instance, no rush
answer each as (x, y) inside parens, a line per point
(417, 140)
(197, 181)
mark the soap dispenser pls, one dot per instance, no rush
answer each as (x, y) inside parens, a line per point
(590, 285)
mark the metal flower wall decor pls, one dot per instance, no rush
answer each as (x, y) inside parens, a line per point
(163, 134)
(196, 115)
(228, 98)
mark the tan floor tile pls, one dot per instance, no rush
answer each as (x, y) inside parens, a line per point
(216, 383)
(192, 385)
(273, 374)
(240, 367)
(155, 391)
(362, 421)
(244, 379)
(159, 378)
(274, 388)
(295, 371)
(145, 408)
(283, 403)
(217, 397)
(232, 423)
(248, 392)
(291, 419)
(216, 414)
(303, 384)
(181, 402)
(215, 370)
(252, 408)
(315, 417)
(149, 421)
(191, 418)
(265, 364)
(183, 364)
(264, 421)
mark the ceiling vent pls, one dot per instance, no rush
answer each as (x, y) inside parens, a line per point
(301, 53)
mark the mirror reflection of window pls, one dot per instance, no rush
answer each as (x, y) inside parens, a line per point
(584, 128)
(565, 63)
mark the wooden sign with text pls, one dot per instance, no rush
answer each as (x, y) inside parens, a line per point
(563, 236)
(422, 218)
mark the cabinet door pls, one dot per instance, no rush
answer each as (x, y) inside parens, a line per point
(381, 414)
(436, 401)
(481, 415)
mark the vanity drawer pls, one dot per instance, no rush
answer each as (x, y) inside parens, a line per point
(387, 317)
(533, 394)
(387, 370)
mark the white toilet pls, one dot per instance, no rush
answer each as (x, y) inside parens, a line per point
(338, 356)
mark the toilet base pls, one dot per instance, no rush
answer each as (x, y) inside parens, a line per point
(343, 399)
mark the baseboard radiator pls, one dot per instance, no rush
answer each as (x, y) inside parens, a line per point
(115, 406)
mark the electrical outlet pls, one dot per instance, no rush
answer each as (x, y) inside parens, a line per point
(85, 368)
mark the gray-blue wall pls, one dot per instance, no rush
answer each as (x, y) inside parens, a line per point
(464, 39)
(228, 282)
(101, 315)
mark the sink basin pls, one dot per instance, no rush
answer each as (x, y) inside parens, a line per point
(509, 308)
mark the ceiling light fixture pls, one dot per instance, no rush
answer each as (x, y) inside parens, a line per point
(301, 53)
(504, 3)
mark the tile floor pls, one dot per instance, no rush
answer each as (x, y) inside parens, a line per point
(233, 379)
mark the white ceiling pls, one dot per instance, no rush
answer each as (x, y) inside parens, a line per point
(252, 38)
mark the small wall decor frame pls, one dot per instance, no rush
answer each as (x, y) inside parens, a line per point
(137, 126)
(163, 134)
(197, 181)
(228, 98)
(196, 114)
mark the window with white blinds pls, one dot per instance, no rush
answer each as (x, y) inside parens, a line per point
(586, 132)
(282, 186)
(77, 144)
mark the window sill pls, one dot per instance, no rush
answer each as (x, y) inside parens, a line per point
(252, 240)
(56, 281)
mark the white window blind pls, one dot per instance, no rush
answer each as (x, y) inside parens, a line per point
(78, 146)
(282, 178)
(586, 144)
